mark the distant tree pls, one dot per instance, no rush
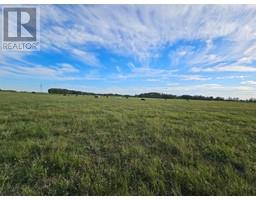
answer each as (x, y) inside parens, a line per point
(219, 99)
(252, 100)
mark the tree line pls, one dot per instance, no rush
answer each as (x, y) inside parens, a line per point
(148, 95)
(75, 92)
(171, 96)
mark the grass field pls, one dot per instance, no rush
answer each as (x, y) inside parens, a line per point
(68, 145)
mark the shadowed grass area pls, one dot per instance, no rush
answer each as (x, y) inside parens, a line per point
(79, 145)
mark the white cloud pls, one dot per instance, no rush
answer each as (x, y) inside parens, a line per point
(152, 80)
(249, 82)
(230, 77)
(58, 72)
(195, 78)
(64, 68)
(225, 69)
(243, 92)
(86, 57)
(141, 30)
(147, 73)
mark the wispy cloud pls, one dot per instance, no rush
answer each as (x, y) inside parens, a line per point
(141, 31)
(248, 83)
(86, 57)
(231, 77)
(195, 78)
(58, 72)
(225, 69)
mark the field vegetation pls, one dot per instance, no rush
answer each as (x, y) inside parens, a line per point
(80, 145)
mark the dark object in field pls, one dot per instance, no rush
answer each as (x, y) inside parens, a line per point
(96, 96)
(143, 99)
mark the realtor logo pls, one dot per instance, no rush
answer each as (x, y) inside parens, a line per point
(20, 29)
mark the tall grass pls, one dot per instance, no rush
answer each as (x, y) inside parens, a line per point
(79, 145)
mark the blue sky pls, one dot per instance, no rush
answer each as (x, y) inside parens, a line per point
(178, 49)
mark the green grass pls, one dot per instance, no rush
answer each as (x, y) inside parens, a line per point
(68, 145)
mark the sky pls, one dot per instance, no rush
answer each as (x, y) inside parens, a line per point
(130, 49)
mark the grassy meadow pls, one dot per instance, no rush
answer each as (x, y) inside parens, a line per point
(79, 145)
